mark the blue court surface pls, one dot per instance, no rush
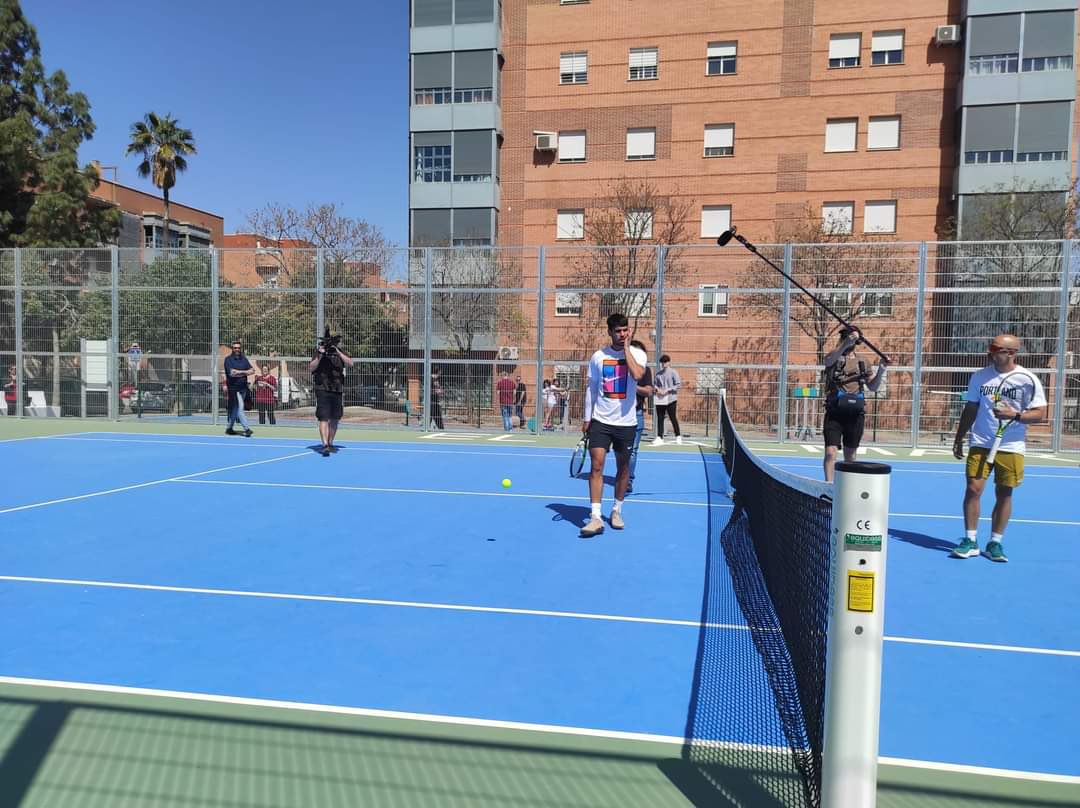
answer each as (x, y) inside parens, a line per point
(403, 577)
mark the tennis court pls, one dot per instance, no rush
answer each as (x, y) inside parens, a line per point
(194, 619)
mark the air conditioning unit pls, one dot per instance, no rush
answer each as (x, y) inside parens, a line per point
(546, 141)
(507, 353)
(947, 34)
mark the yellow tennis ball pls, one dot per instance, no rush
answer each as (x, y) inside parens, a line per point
(506, 482)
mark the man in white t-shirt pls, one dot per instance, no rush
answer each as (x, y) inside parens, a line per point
(610, 417)
(994, 396)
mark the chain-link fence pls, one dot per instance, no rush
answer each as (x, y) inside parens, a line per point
(466, 338)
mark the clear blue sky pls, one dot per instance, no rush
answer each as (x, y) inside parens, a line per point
(289, 102)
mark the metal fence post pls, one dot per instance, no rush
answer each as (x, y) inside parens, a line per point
(917, 359)
(20, 365)
(428, 411)
(114, 332)
(320, 293)
(661, 265)
(541, 269)
(1063, 330)
(215, 334)
(785, 335)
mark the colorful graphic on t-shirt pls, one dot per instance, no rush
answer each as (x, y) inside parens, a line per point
(613, 382)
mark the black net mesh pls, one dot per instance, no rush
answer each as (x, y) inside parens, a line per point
(757, 711)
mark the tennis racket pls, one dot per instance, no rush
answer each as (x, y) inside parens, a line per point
(577, 459)
(1019, 388)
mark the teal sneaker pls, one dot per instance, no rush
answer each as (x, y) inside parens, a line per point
(995, 552)
(968, 548)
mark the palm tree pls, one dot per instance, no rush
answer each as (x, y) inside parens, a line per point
(162, 143)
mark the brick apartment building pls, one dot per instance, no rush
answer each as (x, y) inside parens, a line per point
(881, 120)
(143, 219)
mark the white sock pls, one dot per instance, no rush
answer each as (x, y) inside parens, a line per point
(595, 510)
(999, 537)
(971, 534)
(618, 506)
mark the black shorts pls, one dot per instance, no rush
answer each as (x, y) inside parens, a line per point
(327, 406)
(605, 436)
(843, 430)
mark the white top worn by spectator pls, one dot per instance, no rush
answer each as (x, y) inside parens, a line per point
(610, 390)
(984, 386)
(667, 383)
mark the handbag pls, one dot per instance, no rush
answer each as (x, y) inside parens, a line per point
(845, 403)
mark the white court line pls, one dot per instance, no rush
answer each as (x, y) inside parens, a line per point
(146, 484)
(408, 604)
(351, 448)
(557, 497)
(378, 490)
(979, 646)
(459, 607)
(586, 732)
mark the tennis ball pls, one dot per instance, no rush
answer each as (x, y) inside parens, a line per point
(506, 482)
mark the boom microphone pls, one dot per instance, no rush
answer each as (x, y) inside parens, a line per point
(726, 236)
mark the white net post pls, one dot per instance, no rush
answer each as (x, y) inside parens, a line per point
(860, 529)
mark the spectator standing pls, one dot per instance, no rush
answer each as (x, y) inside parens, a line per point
(521, 395)
(667, 386)
(505, 388)
(265, 394)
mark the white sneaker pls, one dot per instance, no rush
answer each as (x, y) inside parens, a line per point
(658, 442)
(678, 440)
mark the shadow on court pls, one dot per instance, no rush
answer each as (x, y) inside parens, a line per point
(575, 515)
(922, 540)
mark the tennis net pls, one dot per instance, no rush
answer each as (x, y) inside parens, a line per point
(756, 720)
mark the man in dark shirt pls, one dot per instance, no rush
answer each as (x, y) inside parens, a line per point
(237, 371)
(521, 394)
(328, 379)
(644, 390)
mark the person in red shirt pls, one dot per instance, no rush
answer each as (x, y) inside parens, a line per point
(265, 394)
(10, 388)
(506, 387)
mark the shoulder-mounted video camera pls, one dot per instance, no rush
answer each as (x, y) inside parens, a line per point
(329, 343)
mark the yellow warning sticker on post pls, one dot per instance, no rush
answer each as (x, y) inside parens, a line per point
(860, 591)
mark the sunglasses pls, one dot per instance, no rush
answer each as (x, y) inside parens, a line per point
(1002, 349)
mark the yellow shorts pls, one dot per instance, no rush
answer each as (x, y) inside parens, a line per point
(1008, 467)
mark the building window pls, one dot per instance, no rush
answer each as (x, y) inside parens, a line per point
(720, 58)
(643, 64)
(567, 304)
(150, 237)
(876, 304)
(269, 276)
(479, 95)
(1041, 157)
(993, 64)
(838, 301)
(431, 95)
(887, 48)
(574, 67)
(433, 164)
(884, 132)
(719, 139)
(638, 224)
(844, 50)
(715, 219)
(632, 304)
(840, 134)
(640, 144)
(880, 217)
(1039, 63)
(988, 156)
(837, 217)
(570, 224)
(572, 147)
(712, 302)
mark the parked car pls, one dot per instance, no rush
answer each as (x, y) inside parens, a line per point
(156, 396)
(202, 394)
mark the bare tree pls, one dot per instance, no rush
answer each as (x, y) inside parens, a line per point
(1019, 230)
(853, 277)
(624, 227)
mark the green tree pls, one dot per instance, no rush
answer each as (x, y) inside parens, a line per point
(45, 197)
(163, 145)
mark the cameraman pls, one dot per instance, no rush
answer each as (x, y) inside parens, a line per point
(846, 377)
(328, 379)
